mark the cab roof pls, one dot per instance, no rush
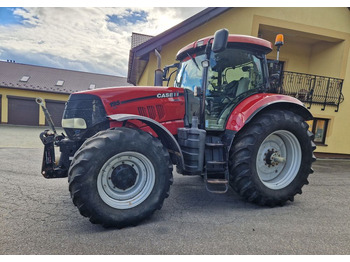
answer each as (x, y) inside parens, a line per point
(250, 41)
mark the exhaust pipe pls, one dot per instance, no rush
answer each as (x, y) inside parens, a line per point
(158, 74)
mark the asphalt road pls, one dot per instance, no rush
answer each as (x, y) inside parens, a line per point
(37, 216)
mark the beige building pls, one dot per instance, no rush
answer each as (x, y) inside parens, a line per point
(20, 84)
(315, 58)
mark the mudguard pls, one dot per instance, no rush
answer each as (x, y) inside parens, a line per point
(252, 105)
(164, 135)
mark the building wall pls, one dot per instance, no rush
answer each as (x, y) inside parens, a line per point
(317, 41)
(5, 92)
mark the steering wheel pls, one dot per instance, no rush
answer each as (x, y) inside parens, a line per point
(229, 90)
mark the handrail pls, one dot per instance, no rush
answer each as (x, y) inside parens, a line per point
(312, 89)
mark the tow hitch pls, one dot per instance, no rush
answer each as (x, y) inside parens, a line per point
(50, 168)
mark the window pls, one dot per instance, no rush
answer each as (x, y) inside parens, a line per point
(231, 65)
(233, 75)
(319, 128)
(24, 78)
(60, 83)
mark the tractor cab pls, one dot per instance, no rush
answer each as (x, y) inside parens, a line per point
(221, 78)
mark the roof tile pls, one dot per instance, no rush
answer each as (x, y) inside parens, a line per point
(45, 78)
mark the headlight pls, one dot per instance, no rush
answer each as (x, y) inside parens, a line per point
(78, 123)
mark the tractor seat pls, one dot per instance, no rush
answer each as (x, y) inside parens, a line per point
(243, 86)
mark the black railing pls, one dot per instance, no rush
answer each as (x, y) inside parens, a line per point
(312, 89)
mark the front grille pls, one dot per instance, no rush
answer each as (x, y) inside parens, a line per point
(152, 112)
(160, 111)
(142, 111)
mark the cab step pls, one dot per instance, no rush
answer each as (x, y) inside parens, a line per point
(216, 162)
(214, 144)
(217, 186)
(216, 167)
(217, 181)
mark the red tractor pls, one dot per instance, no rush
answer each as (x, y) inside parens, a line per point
(222, 120)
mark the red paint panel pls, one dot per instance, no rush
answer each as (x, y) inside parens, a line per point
(159, 103)
(172, 126)
(245, 39)
(165, 105)
(250, 105)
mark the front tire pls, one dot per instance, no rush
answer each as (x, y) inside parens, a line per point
(271, 158)
(119, 177)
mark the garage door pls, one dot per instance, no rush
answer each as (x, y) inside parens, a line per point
(22, 111)
(56, 111)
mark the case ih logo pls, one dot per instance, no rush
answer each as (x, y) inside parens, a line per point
(168, 95)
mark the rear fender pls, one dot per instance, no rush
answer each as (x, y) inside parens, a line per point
(255, 104)
(167, 139)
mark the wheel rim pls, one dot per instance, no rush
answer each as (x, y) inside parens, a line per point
(279, 159)
(126, 180)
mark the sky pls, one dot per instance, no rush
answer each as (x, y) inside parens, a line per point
(95, 38)
(89, 39)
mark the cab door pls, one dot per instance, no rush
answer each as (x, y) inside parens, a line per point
(234, 74)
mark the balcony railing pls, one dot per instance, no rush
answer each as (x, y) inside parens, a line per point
(312, 89)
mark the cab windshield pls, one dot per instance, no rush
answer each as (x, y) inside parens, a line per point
(233, 75)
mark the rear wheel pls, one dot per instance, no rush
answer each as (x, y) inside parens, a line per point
(271, 158)
(120, 177)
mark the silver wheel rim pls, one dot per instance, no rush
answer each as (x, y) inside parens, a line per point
(134, 194)
(278, 160)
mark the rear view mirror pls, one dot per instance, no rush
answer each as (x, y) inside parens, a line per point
(220, 40)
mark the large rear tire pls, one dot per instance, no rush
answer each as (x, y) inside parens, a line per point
(119, 177)
(271, 158)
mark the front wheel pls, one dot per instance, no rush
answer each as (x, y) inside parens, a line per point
(271, 158)
(119, 177)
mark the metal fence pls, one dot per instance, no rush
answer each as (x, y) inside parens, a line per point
(312, 89)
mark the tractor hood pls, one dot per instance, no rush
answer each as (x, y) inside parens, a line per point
(88, 111)
(158, 103)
